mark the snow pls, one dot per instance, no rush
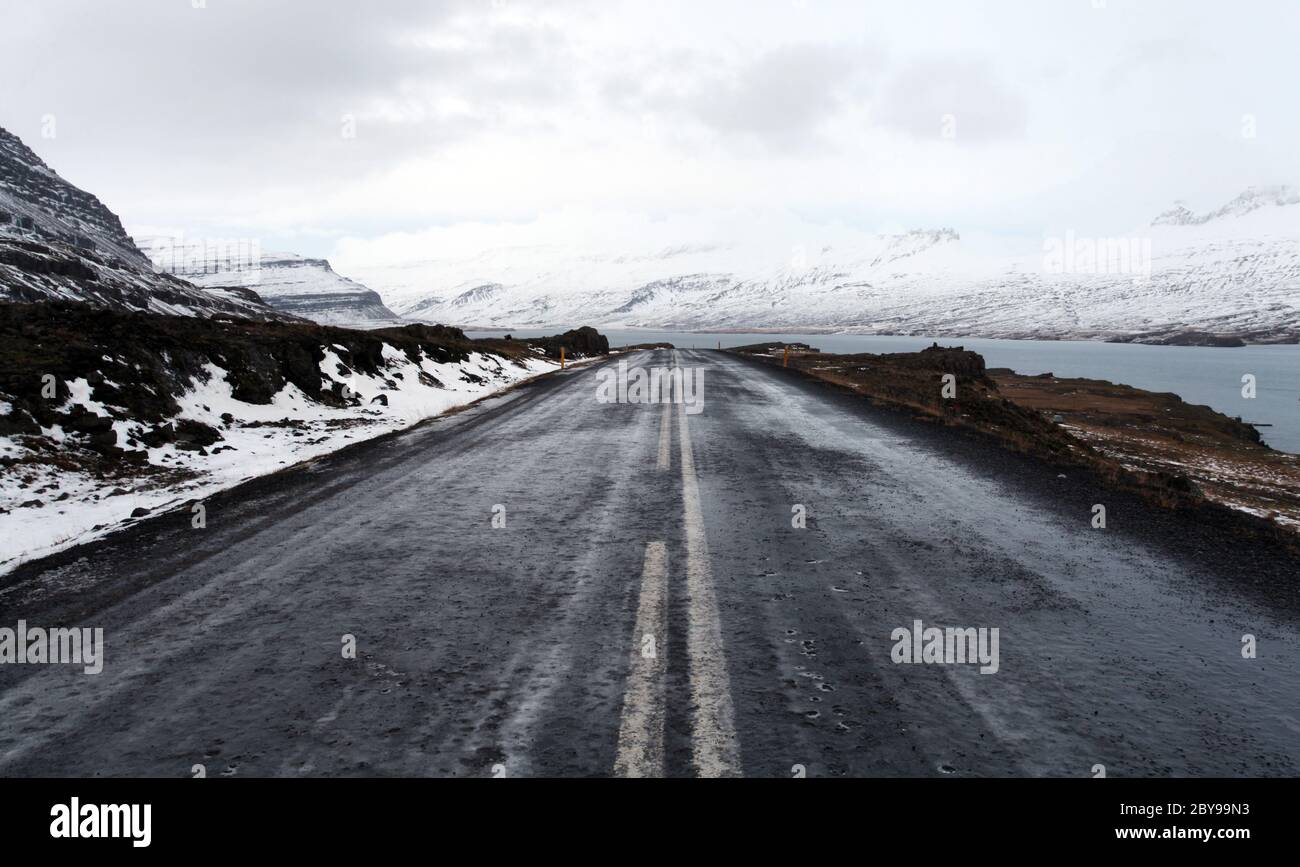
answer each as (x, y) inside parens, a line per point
(1236, 270)
(78, 507)
(79, 394)
(294, 284)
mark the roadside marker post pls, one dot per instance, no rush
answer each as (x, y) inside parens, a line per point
(785, 359)
(561, 358)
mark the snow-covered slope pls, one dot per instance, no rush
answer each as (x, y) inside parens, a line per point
(1231, 271)
(309, 288)
(1251, 200)
(59, 242)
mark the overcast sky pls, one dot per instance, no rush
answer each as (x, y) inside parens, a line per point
(502, 119)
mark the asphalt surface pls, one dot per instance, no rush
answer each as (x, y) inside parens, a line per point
(648, 608)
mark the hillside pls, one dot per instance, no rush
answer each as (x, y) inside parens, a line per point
(61, 243)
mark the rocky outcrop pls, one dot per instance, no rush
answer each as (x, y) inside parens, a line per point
(139, 364)
(578, 343)
(60, 243)
(947, 359)
(35, 201)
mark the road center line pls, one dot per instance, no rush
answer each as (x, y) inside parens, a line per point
(714, 747)
(641, 732)
(666, 437)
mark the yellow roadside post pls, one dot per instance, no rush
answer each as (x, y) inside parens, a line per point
(561, 358)
(785, 359)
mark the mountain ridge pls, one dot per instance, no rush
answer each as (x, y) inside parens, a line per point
(59, 242)
(1233, 271)
(307, 287)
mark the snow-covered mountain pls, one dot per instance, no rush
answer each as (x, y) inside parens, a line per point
(1251, 200)
(1231, 271)
(304, 287)
(59, 242)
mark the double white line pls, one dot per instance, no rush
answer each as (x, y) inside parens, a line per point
(713, 728)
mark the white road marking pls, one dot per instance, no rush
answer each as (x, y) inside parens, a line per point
(641, 732)
(714, 747)
(666, 437)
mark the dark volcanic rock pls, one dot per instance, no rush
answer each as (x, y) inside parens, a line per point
(946, 359)
(159, 436)
(196, 432)
(104, 442)
(587, 341)
(578, 343)
(18, 422)
(156, 358)
(1202, 338)
(82, 420)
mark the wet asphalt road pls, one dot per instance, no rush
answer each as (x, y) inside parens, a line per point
(648, 608)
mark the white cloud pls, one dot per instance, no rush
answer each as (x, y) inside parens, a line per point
(964, 99)
(230, 119)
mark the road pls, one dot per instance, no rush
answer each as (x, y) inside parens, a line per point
(649, 608)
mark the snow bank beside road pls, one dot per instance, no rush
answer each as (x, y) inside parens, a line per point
(47, 504)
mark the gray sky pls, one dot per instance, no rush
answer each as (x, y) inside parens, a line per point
(990, 116)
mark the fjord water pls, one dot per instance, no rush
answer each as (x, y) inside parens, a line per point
(1198, 374)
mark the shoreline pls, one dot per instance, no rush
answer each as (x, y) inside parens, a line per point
(1177, 455)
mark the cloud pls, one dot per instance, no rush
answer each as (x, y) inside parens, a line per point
(783, 97)
(248, 95)
(779, 99)
(978, 105)
(230, 119)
